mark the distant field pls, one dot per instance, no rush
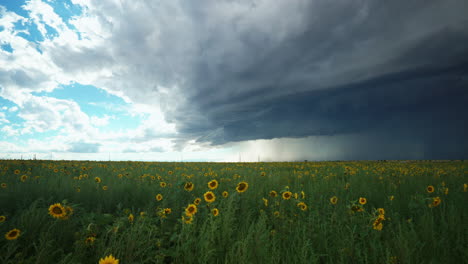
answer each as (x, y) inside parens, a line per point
(302, 212)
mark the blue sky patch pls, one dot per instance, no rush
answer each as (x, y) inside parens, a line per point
(6, 47)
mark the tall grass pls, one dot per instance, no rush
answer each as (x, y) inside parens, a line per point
(252, 227)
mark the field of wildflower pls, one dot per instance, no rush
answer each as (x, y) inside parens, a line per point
(296, 212)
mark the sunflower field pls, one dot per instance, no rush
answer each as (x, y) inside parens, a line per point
(289, 212)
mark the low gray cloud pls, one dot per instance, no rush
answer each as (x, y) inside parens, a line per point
(84, 147)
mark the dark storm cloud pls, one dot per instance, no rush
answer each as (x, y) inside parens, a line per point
(395, 69)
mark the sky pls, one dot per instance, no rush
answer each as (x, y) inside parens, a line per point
(227, 80)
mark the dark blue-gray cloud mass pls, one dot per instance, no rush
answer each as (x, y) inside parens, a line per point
(395, 71)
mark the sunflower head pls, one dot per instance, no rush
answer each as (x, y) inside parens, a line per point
(225, 194)
(97, 179)
(131, 218)
(213, 184)
(197, 201)
(109, 260)
(90, 240)
(162, 184)
(273, 194)
(209, 197)
(381, 211)
(12, 234)
(17, 172)
(167, 211)
(302, 206)
(3, 185)
(2, 218)
(286, 195)
(215, 211)
(357, 208)
(187, 219)
(430, 189)
(435, 202)
(188, 186)
(57, 211)
(378, 222)
(191, 210)
(68, 213)
(24, 177)
(242, 187)
(362, 200)
(265, 201)
(159, 197)
(334, 200)
(105, 188)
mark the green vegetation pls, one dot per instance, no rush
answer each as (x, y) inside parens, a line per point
(324, 212)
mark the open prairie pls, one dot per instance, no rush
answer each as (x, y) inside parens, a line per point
(294, 212)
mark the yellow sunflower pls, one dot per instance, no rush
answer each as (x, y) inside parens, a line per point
(68, 213)
(265, 201)
(162, 184)
(2, 218)
(286, 195)
(24, 177)
(225, 194)
(362, 200)
(215, 211)
(334, 200)
(276, 213)
(435, 202)
(302, 205)
(188, 186)
(302, 195)
(187, 219)
(430, 189)
(213, 184)
(191, 210)
(57, 210)
(131, 218)
(167, 210)
(378, 225)
(3, 185)
(209, 197)
(17, 172)
(97, 179)
(90, 240)
(381, 211)
(273, 194)
(109, 260)
(12, 234)
(105, 188)
(159, 197)
(242, 187)
(197, 201)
